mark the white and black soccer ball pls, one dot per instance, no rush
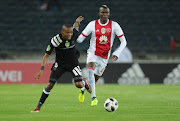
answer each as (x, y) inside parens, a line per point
(111, 104)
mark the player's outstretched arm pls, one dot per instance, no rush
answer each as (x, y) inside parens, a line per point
(44, 61)
(77, 22)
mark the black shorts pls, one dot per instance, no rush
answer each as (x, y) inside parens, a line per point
(57, 70)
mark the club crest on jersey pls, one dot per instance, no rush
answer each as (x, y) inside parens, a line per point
(103, 30)
(103, 40)
(67, 44)
(108, 30)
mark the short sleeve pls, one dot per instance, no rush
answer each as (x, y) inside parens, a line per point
(75, 34)
(49, 48)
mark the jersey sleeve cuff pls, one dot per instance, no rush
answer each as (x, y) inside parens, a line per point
(83, 35)
(120, 35)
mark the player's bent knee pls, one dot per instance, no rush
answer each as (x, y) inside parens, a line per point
(49, 86)
(78, 82)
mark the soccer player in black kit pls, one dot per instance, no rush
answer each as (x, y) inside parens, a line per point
(66, 60)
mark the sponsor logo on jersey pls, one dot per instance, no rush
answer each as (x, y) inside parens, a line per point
(103, 40)
(103, 30)
(173, 77)
(133, 75)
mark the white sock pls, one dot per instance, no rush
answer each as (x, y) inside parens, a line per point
(83, 88)
(91, 80)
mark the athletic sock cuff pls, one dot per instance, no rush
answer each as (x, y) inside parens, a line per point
(46, 92)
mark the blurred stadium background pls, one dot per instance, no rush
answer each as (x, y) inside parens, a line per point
(149, 25)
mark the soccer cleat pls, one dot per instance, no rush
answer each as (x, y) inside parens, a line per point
(94, 101)
(87, 86)
(81, 96)
(36, 110)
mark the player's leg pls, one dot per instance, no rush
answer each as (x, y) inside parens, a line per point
(77, 75)
(79, 82)
(91, 79)
(45, 94)
(100, 67)
(82, 84)
(81, 90)
(91, 64)
(87, 86)
(96, 78)
(55, 74)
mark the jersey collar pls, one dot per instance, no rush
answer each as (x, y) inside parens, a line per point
(103, 24)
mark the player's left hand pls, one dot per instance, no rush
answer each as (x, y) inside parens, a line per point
(79, 19)
(114, 57)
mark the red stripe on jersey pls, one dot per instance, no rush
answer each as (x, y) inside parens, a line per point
(120, 35)
(84, 35)
(103, 39)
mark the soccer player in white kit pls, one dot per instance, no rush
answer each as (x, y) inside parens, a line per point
(103, 33)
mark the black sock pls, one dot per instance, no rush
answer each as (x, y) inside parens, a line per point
(93, 98)
(44, 95)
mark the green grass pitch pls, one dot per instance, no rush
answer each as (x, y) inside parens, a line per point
(136, 103)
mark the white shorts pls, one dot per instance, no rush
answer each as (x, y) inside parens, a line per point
(100, 63)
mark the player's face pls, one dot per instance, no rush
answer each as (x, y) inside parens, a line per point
(104, 14)
(67, 33)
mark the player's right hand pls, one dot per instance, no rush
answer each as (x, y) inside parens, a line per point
(38, 75)
(114, 57)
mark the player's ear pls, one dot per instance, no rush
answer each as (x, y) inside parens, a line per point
(99, 13)
(61, 32)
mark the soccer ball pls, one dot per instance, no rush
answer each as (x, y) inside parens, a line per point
(111, 104)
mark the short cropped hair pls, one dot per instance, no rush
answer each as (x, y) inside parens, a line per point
(66, 26)
(104, 6)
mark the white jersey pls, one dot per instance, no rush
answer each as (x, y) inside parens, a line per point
(102, 38)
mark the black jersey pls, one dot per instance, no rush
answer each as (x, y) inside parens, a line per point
(65, 49)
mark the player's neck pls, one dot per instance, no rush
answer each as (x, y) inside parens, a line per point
(103, 21)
